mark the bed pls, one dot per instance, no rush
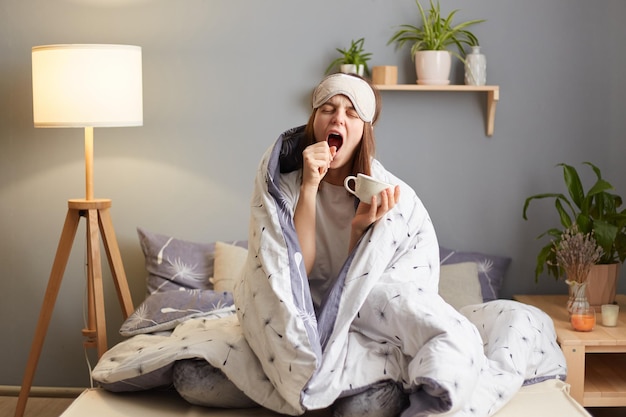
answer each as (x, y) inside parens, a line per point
(190, 280)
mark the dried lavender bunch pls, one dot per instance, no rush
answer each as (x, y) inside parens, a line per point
(576, 253)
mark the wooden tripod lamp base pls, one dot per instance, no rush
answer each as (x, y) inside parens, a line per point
(96, 212)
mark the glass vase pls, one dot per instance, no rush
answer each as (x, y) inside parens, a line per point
(577, 296)
(475, 67)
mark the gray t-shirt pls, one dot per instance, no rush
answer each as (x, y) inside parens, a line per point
(334, 212)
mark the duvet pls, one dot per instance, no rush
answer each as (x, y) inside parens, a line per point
(382, 320)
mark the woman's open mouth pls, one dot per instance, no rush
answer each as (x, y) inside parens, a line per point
(335, 139)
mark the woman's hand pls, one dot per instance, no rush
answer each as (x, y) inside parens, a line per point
(366, 214)
(316, 162)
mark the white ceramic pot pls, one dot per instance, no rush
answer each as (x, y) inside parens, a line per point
(433, 67)
(348, 68)
(352, 69)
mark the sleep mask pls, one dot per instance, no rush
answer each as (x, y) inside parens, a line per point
(357, 90)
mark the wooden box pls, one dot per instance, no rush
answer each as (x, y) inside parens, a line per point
(385, 74)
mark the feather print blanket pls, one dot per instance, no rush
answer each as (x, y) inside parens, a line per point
(382, 320)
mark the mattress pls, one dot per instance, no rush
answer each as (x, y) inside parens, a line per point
(547, 399)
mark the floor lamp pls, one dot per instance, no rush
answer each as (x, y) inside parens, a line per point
(84, 86)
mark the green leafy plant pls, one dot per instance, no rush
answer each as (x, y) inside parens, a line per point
(437, 33)
(594, 211)
(355, 54)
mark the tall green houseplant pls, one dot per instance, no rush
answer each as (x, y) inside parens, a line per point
(595, 211)
(436, 33)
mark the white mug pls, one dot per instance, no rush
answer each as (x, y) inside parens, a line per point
(365, 187)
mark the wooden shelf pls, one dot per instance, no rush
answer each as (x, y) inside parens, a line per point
(493, 95)
(605, 380)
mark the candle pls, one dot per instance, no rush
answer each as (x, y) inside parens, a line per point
(610, 313)
(583, 320)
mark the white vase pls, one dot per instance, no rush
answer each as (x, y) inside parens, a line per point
(475, 67)
(433, 67)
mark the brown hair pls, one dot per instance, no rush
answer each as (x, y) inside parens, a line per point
(366, 149)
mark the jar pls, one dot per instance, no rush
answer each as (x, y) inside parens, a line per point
(475, 67)
(583, 319)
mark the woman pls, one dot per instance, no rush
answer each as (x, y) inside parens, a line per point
(339, 141)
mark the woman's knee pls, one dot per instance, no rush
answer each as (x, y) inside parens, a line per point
(202, 384)
(384, 399)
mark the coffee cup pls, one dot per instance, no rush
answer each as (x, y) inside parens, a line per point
(365, 187)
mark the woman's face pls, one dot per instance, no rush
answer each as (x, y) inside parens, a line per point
(338, 123)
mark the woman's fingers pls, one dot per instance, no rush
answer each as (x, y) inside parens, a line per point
(370, 212)
(317, 159)
(388, 200)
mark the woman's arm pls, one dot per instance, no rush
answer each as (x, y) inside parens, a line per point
(304, 221)
(316, 161)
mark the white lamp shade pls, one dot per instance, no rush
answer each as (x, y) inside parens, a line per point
(87, 86)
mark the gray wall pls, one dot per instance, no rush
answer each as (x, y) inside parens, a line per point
(222, 78)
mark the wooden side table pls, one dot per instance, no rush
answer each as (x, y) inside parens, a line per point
(596, 360)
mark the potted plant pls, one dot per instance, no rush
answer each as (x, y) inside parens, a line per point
(353, 59)
(431, 41)
(594, 211)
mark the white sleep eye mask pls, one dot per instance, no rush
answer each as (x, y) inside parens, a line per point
(357, 90)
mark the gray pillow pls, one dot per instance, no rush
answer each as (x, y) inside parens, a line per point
(173, 263)
(164, 310)
(491, 269)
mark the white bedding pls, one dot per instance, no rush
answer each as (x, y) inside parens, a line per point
(383, 320)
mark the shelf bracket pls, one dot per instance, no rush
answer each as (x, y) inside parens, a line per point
(493, 96)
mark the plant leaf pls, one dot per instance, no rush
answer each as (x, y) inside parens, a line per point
(605, 234)
(566, 220)
(545, 195)
(574, 186)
